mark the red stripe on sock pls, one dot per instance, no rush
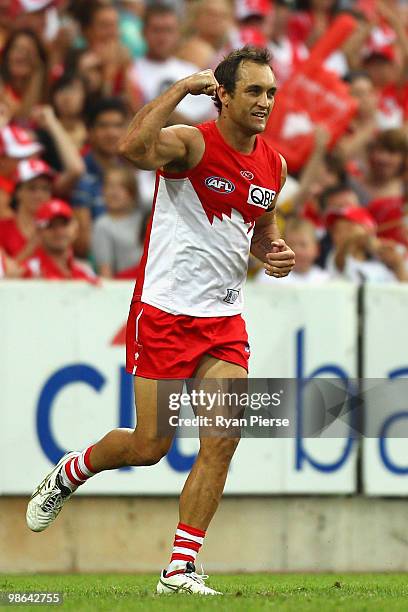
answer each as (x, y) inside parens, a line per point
(87, 459)
(187, 544)
(193, 530)
(181, 557)
(78, 469)
(70, 475)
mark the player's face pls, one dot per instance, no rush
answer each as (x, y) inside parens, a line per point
(254, 97)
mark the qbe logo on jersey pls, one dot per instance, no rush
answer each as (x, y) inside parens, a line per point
(260, 196)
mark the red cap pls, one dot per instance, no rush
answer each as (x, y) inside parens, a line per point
(20, 7)
(16, 142)
(252, 8)
(356, 214)
(253, 37)
(52, 209)
(385, 51)
(29, 169)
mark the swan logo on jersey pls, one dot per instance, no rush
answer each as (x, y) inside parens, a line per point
(220, 185)
(232, 296)
(260, 196)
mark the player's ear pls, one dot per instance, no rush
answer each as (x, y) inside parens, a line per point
(223, 95)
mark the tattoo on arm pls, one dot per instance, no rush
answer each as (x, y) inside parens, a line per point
(262, 244)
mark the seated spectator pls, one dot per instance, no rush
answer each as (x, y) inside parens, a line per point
(115, 242)
(18, 235)
(68, 96)
(23, 74)
(53, 259)
(357, 254)
(300, 235)
(106, 125)
(153, 74)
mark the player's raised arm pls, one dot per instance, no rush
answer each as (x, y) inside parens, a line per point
(150, 145)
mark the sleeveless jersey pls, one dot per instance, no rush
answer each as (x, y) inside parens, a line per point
(197, 245)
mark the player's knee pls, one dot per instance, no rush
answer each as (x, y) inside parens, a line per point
(148, 451)
(218, 451)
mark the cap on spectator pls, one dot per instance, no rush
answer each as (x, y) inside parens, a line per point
(29, 6)
(29, 169)
(253, 37)
(356, 214)
(386, 52)
(16, 142)
(251, 8)
(52, 209)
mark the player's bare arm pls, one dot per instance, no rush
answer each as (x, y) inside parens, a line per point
(151, 145)
(267, 245)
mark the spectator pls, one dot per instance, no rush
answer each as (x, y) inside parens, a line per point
(365, 124)
(23, 73)
(100, 26)
(68, 99)
(300, 235)
(383, 185)
(60, 152)
(18, 235)
(106, 125)
(53, 259)
(210, 29)
(287, 53)
(115, 244)
(154, 73)
(311, 20)
(357, 255)
(9, 268)
(131, 26)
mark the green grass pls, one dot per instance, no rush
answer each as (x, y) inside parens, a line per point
(246, 593)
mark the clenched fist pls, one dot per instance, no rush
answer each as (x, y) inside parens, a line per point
(202, 83)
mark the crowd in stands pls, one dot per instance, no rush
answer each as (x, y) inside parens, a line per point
(73, 72)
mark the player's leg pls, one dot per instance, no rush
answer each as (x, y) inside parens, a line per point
(203, 488)
(120, 447)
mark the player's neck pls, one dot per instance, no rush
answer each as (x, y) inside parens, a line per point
(236, 138)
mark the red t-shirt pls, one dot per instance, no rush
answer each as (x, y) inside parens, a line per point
(12, 240)
(43, 266)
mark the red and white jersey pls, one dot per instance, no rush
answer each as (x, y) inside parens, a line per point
(197, 245)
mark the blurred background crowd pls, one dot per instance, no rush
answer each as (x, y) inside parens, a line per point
(72, 74)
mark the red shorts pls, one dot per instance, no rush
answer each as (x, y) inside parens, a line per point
(162, 345)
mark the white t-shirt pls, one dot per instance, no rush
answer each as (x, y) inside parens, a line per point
(314, 275)
(357, 271)
(153, 77)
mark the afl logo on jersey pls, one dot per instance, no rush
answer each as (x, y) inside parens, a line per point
(260, 196)
(220, 185)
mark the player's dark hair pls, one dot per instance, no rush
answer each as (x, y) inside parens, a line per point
(105, 105)
(226, 71)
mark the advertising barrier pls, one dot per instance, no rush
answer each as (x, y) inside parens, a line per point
(385, 456)
(63, 386)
